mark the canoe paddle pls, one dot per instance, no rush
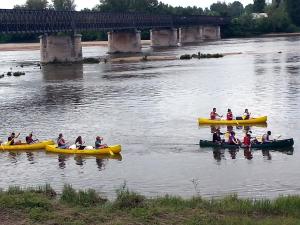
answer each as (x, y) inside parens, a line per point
(111, 152)
(9, 142)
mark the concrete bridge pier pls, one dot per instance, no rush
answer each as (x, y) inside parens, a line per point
(124, 41)
(192, 34)
(164, 37)
(60, 48)
(211, 33)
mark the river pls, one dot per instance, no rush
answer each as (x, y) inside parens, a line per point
(151, 109)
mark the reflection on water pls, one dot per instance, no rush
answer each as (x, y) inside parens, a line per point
(151, 108)
(235, 153)
(61, 72)
(248, 153)
(266, 154)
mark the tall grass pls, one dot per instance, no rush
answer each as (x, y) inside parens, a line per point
(86, 207)
(18, 198)
(82, 198)
(128, 199)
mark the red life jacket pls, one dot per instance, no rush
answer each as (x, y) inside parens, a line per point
(229, 116)
(213, 115)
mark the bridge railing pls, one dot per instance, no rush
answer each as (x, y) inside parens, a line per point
(51, 21)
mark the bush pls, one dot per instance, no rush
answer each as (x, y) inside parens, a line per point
(128, 199)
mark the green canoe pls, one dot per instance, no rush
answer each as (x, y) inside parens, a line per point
(269, 145)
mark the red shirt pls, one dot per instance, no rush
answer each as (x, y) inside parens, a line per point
(213, 115)
(247, 141)
(229, 116)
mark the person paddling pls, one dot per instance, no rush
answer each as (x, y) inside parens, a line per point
(233, 140)
(61, 143)
(11, 139)
(79, 143)
(229, 115)
(267, 137)
(217, 136)
(29, 139)
(98, 143)
(214, 115)
(247, 140)
(246, 115)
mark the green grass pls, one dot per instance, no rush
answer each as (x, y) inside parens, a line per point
(42, 206)
(82, 198)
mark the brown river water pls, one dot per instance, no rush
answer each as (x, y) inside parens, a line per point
(151, 109)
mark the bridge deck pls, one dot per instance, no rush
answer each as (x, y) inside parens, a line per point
(51, 21)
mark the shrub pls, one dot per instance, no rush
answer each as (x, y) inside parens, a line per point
(128, 199)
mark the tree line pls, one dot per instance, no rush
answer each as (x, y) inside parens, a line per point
(280, 16)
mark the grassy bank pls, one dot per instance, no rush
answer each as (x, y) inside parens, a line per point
(43, 206)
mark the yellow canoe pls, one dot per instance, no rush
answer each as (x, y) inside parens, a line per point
(23, 146)
(114, 149)
(262, 119)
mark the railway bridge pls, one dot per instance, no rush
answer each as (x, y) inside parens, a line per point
(123, 30)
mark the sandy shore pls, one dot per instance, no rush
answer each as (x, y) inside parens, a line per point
(36, 46)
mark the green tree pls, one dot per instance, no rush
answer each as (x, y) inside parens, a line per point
(249, 9)
(293, 9)
(219, 8)
(36, 4)
(235, 9)
(127, 5)
(68, 5)
(259, 6)
(19, 7)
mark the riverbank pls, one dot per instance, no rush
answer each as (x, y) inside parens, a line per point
(36, 46)
(43, 206)
(281, 34)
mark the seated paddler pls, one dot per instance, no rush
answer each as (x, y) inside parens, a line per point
(214, 115)
(98, 143)
(217, 136)
(61, 143)
(29, 139)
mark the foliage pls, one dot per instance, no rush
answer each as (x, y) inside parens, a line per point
(36, 4)
(19, 206)
(235, 9)
(219, 8)
(68, 5)
(248, 9)
(84, 198)
(293, 9)
(128, 199)
(259, 6)
(279, 20)
(149, 6)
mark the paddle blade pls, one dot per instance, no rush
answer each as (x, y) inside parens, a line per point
(111, 153)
